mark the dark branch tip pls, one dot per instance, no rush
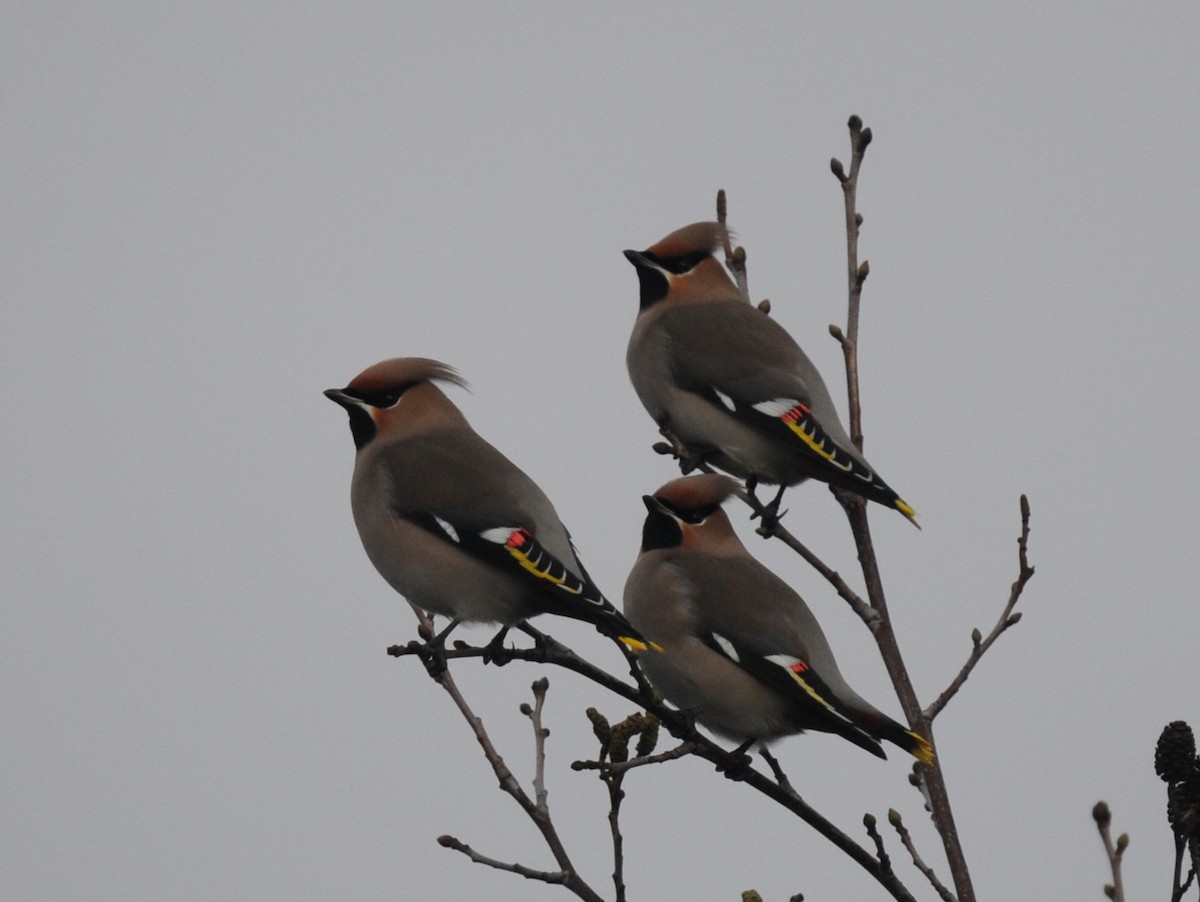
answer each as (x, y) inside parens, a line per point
(1013, 619)
(894, 817)
(865, 138)
(838, 169)
(976, 637)
(765, 306)
(720, 204)
(869, 821)
(854, 123)
(1101, 814)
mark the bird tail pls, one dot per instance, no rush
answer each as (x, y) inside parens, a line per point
(913, 743)
(904, 508)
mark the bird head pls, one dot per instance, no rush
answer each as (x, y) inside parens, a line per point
(379, 395)
(687, 511)
(681, 267)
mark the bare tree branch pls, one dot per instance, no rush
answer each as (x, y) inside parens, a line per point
(1007, 619)
(550, 651)
(856, 511)
(537, 811)
(898, 823)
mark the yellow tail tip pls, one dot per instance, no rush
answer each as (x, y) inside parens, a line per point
(638, 645)
(904, 508)
(923, 751)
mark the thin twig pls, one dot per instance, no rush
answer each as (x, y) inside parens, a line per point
(981, 644)
(539, 743)
(777, 769)
(775, 530)
(450, 842)
(735, 258)
(880, 851)
(859, 139)
(619, 767)
(895, 820)
(615, 796)
(1102, 815)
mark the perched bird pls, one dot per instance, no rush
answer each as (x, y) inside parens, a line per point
(741, 650)
(729, 382)
(448, 520)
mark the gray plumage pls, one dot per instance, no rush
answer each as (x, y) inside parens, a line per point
(449, 521)
(740, 648)
(729, 381)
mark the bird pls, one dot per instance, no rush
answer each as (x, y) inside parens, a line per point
(450, 522)
(740, 650)
(729, 382)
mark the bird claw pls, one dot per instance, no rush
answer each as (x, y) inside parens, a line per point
(741, 764)
(769, 513)
(495, 652)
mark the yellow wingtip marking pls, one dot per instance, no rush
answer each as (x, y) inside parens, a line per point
(638, 645)
(523, 559)
(818, 449)
(904, 508)
(924, 751)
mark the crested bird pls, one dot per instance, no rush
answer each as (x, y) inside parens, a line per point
(741, 651)
(449, 521)
(729, 382)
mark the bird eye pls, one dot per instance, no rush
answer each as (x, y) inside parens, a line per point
(684, 263)
(387, 399)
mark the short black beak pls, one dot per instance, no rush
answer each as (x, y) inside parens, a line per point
(637, 258)
(340, 397)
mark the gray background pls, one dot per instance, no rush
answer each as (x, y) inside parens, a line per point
(213, 212)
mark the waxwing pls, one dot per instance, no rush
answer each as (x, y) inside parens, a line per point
(728, 380)
(741, 650)
(448, 520)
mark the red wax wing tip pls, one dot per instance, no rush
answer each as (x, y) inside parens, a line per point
(519, 537)
(799, 667)
(796, 413)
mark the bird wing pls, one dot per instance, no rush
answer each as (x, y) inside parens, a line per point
(795, 678)
(744, 363)
(489, 509)
(769, 631)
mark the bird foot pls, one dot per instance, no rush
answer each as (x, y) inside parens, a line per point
(769, 514)
(741, 764)
(495, 652)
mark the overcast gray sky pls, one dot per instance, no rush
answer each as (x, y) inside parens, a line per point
(212, 212)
